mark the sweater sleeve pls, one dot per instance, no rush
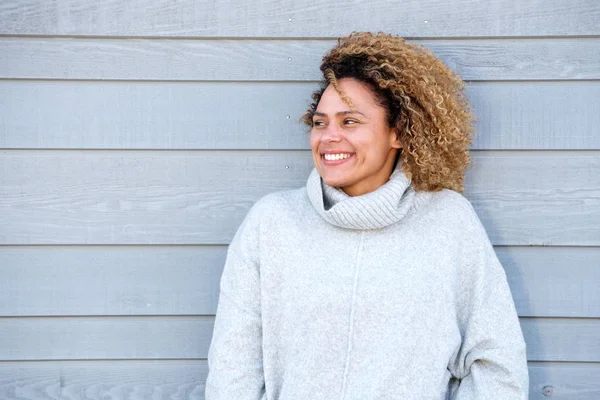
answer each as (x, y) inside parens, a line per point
(235, 356)
(491, 362)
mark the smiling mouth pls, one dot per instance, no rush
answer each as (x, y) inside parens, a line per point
(335, 158)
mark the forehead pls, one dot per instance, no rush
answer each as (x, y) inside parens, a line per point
(360, 94)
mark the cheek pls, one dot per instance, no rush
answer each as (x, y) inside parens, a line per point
(372, 149)
(314, 141)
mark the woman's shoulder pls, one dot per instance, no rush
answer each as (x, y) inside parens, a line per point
(454, 200)
(445, 200)
(450, 208)
(280, 203)
(269, 211)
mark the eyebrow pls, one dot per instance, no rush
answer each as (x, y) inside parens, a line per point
(320, 114)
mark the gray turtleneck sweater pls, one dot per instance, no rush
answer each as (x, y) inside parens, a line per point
(395, 294)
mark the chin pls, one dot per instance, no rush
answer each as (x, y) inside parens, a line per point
(338, 182)
(337, 176)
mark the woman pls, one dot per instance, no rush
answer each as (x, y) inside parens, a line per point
(376, 280)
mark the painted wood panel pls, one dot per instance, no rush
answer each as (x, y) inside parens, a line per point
(265, 115)
(276, 60)
(183, 379)
(67, 338)
(185, 337)
(553, 281)
(133, 75)
(30, 381)
(566, 381)
(279, 18)
(114, 280)
(184, 280)
(133, 197)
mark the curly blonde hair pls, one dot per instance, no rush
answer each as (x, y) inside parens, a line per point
(423, 99)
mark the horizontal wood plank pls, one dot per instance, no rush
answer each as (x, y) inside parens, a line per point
(277, 60)
(70, 338)
(535, 115)
(169, 379)
(562, 339)
(277, 18)
(265, 115)
(184, 280)
(30, 381)
(545, 193)
(553, 281)
(564, 381)
(115, 280)
(65, 338)
(201, 197)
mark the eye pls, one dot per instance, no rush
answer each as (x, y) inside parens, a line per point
(318, 123)
(349, 121)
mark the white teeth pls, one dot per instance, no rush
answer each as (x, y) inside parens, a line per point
(335, 157)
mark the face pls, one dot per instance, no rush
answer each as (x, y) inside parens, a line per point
(355, 149)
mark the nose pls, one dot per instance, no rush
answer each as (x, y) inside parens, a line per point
(330, 134)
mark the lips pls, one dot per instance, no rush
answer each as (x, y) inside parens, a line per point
(335, 158)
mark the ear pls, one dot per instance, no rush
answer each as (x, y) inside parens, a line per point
(394, 140)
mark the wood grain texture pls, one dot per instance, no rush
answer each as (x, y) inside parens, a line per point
(199, 77)
(115, 280)
(265, 115)
(108, 197)
(185, 337)
(566, 381)
(149, 379)
(278, 18)
(553, 281)
(562, 339)
(30, 381)
(201, 197)
(66, 338)
(182, 379)
(277, 60)
(545, 194)
(184, 280)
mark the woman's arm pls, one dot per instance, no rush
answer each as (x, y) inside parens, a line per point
(235, 356)
(491, 362)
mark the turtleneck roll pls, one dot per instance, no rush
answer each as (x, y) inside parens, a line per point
(388, 204)
(396, 294)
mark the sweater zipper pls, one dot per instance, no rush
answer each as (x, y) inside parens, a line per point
(352, 311)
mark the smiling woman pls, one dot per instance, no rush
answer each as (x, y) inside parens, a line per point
(376, 280)
(422, 101)
(353, 149)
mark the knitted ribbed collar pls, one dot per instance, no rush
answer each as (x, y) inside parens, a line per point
(382, 207)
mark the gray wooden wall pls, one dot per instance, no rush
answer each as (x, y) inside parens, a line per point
(135, 135)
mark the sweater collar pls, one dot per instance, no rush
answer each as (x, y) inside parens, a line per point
(382, 207)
